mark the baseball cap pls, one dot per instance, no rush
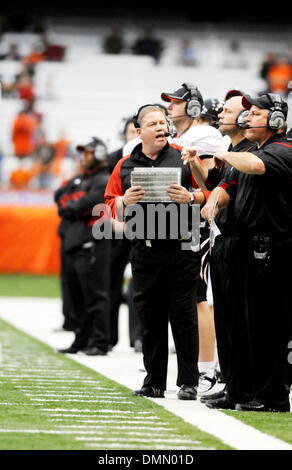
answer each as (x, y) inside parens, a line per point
(182, 94)
(95, 145)
(265, 102)
(90, 146)
(233, 92)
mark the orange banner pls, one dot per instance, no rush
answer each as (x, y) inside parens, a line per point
(29, 242)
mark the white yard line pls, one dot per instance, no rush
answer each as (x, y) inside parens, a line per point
(39, 318)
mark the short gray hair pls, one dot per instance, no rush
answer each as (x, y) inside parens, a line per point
(146, 110)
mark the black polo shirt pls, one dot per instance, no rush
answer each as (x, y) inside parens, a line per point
(264, 202)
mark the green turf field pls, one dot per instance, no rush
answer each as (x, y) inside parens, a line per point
(48, 401)
(29, 285)
(21, 351)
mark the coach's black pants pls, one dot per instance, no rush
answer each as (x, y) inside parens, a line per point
(225, 297)
(165, 288)
(120, 251)
(70, 319)
(88, 281)
(262, 312)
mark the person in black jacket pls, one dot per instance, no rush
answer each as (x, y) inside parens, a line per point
(87, 259)
(165, 275)
(119, 259)
(260, 372)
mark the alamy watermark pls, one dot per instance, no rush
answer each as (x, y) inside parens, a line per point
(290, 353)
(152, 221)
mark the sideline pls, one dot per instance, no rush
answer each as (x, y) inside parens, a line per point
(41, 317)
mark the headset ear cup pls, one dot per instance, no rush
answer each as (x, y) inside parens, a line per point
(241, 118)
(171, 127)
(193, 108)
(276, 120)
(100, 152)
(135, 119)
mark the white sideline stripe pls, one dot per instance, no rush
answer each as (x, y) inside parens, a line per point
(24, 313)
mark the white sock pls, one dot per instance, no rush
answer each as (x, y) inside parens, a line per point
(208, 368)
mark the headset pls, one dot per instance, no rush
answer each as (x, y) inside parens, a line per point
(276, 116)
(123, 127)
(240, 121)
(195, 103)
(170, 126)
(100, 151)
(241, 118)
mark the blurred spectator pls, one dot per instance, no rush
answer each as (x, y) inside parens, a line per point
(23, 128)
(52, 51)
(63, 153)
(24, 87)
(148, 45)
(279, 75)
(20, 178)
(12, 53)
(36, 55)
(187, 54)
(43, 168)
(113, 42)
(269, 61)
(235, 56)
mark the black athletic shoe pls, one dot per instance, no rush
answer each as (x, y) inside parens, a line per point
(71, 350)
(212, 396)
(220, 404)
(94, 351)
(187, 392)
(148, 391)
(257, 405)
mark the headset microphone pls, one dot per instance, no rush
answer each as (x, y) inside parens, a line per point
(170, 134)
(256, 127)
(227, 123)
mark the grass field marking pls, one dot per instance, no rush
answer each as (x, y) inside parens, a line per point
(98, 421)
(23, 423)
(69, 392)
(100, 426)
(40, 370)
(158, 440)
(129, 446)
(44, 400)
(134, 433)
(78, 394)
(117, 416)
(73, 410)
(44, 381)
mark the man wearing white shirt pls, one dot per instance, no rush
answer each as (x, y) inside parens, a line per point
(185, 110)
